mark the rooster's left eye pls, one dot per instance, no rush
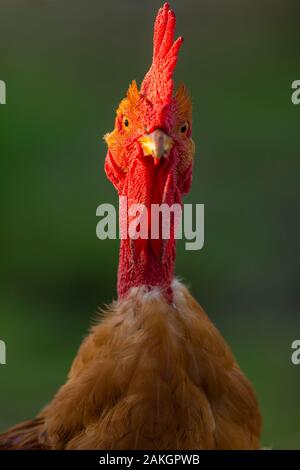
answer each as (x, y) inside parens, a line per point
(184, 128)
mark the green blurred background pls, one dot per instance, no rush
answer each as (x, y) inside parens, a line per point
(67, 65)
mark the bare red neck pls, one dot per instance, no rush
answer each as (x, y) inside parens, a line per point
(149, 262)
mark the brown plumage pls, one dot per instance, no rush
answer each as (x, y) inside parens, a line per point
(149, 376)
(154, 373)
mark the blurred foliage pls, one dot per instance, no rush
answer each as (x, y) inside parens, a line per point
(67, 65)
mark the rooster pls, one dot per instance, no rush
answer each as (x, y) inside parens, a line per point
(155, 373)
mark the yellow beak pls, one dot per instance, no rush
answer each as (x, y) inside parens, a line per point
(158, 144)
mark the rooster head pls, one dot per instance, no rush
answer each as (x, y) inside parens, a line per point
(154, 124)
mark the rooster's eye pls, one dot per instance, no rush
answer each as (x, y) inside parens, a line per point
(126, 122)
(184, 128)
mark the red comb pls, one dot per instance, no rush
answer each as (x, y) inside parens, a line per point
(158, 83)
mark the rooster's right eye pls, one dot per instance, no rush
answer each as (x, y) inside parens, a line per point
(126, 122)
